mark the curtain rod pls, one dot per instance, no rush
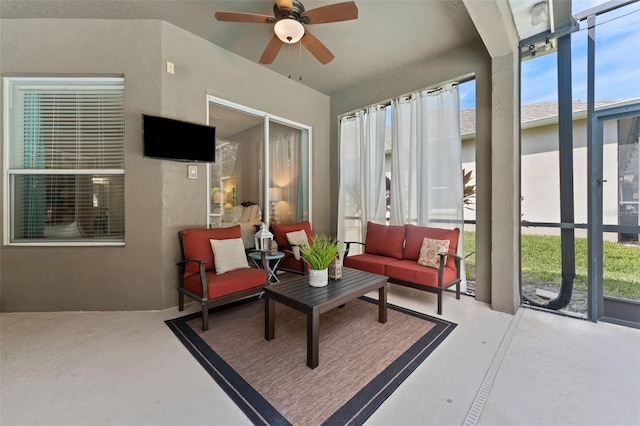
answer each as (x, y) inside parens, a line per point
(434, 88)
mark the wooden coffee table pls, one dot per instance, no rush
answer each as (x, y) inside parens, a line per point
(313, 301)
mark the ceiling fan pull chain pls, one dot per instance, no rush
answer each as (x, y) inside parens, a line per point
(300, 57)
(289, 55)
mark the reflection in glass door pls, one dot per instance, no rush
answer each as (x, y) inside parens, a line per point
(262, 171)
(289, 174)
(617, 292)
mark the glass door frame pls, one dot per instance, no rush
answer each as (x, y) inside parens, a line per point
(602, 307)
(264, 178)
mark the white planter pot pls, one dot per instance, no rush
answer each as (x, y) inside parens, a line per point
(318, 277)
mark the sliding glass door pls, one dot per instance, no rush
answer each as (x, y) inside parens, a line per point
(262, 169)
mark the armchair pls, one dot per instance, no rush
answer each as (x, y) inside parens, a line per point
(289, 262)
(198, 278)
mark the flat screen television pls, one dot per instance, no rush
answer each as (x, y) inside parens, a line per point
(170, 139)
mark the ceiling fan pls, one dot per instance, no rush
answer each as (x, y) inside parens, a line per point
(289, 17)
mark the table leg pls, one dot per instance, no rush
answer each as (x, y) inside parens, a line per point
(382, 304)
(269, 318)
(273, 272)
(313, 337)
(272, 275)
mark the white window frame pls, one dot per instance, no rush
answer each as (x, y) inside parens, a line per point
(8, 172)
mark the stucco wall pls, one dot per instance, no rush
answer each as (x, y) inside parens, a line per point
(159, 198)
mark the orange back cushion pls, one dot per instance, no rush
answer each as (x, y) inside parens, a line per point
(280, 232)
(417, 234)
(196, 245)
(384, 240)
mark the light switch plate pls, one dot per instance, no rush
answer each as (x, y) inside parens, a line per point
(192, 172)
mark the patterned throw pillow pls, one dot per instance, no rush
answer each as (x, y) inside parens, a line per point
(228, 255)
(295, 239)
(429, 252)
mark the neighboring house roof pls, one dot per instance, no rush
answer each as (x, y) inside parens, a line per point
(536, 114)
(532, 115)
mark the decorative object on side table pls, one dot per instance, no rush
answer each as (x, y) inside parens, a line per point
(263, 238)
(273, 248)
(318, 254)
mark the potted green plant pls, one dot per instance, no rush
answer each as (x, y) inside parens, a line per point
(318, 254)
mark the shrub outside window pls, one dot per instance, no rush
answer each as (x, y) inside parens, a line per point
(64, 161)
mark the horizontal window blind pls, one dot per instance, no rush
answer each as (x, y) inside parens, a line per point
(66, 174)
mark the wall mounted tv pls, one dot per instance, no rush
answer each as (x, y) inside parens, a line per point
(170, 139)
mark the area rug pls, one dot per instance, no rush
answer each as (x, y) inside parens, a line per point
(361, 360)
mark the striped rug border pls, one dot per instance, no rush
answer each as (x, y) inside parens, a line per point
(355, 412)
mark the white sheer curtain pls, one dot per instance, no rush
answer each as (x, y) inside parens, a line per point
(362, 180)
(284, 167)
(406, 130)
(426, 162)
(426, 169)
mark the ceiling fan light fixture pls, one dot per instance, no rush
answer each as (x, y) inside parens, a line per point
(289, 30)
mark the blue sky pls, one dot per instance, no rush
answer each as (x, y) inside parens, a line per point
(617, 61)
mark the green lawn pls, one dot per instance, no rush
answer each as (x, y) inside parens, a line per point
(541, 264)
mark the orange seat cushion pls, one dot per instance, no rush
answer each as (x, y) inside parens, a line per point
(408, 270)
(368, 262)
(290, 262)
(227, 283)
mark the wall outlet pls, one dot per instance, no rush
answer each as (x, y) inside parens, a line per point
(171, 68)
(192, 172)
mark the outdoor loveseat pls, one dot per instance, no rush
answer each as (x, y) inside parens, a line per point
(395, 251)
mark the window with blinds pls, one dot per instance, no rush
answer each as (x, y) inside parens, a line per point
(65, 177)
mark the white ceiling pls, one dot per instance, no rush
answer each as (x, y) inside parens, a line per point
(388, 35)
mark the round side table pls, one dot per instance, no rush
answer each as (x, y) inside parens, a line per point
(256, 257)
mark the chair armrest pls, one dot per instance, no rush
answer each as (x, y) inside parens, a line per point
(456, 256)
(348, 246)
(185, 261)
(443, 257)
(203, 276)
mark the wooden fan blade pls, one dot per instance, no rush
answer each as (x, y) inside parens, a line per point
(316, 48)
(271, 51)
(332, 13)
(243, 17)
(285, 4)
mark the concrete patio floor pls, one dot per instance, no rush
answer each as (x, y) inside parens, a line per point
(127, 368)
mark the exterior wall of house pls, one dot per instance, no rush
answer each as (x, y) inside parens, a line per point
(541, 174)
(540, 189)
(159, 198)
